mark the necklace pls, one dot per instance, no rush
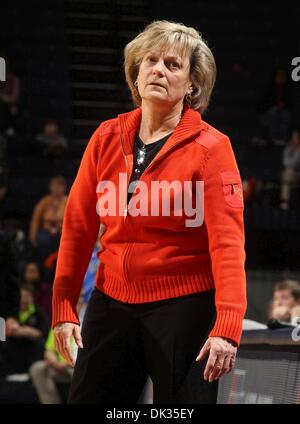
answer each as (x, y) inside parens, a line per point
(144, 148)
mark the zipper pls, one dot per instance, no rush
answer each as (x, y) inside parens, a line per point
(154, 162)
(127, 167)
(130, 245)
(236, 191)
(126, 261)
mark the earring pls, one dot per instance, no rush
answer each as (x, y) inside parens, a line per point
(136, 89)
(188, 98)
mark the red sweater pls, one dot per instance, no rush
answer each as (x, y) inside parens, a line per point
(149, 258)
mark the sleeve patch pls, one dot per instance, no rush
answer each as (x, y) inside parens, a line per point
(232, 188)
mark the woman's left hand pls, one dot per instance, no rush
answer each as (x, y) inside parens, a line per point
(222, 354)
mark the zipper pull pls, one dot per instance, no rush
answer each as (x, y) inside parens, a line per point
(233, 188)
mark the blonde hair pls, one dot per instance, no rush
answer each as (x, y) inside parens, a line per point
(189, 42)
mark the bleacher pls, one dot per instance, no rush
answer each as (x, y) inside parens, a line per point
(70, 68)
(97, 32)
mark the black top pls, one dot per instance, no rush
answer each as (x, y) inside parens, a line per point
(21, 352)
(143, 155)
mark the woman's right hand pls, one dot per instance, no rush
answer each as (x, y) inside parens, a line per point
(62, 335)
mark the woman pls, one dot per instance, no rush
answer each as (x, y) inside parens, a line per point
(50, 141)
(47, 217)
(161, 278)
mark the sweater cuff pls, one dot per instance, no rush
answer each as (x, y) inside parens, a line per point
(63, 311)
(228, 325)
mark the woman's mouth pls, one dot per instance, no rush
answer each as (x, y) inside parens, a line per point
(156, 84)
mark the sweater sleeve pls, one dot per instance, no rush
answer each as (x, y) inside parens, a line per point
(79, 233)
(223, 216)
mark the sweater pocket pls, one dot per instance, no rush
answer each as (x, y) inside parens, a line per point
(232, 188)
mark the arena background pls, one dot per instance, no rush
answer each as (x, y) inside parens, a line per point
(68, 56)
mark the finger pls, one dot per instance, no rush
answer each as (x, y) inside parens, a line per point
(58, 344)
(77, 336)
(210, 364)
(217, 369)
(232, 362)
(67, 349)
(226, 367)
(67, 354)
(227, 364)
(203, 352)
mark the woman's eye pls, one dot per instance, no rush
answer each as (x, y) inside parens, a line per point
(174, 65)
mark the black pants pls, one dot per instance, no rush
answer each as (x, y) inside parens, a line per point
(124, 343)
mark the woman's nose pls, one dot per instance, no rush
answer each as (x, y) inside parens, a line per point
(159, 68)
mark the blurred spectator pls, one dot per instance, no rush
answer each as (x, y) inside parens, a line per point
(49, 267)
(286, 296)
(295, 315)
(9, 285)
(249, 189)
(89, 279)
(26, 342)
(291, 171)
(47, 218)
(274, 108)
(53, 369)
(90, 275)
(32, 276)
(9, 101)
(50, 141)
(13, 229)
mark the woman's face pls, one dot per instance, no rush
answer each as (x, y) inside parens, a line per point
(32, 273)
(164, 77)
(25, 299)
(57, 188)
